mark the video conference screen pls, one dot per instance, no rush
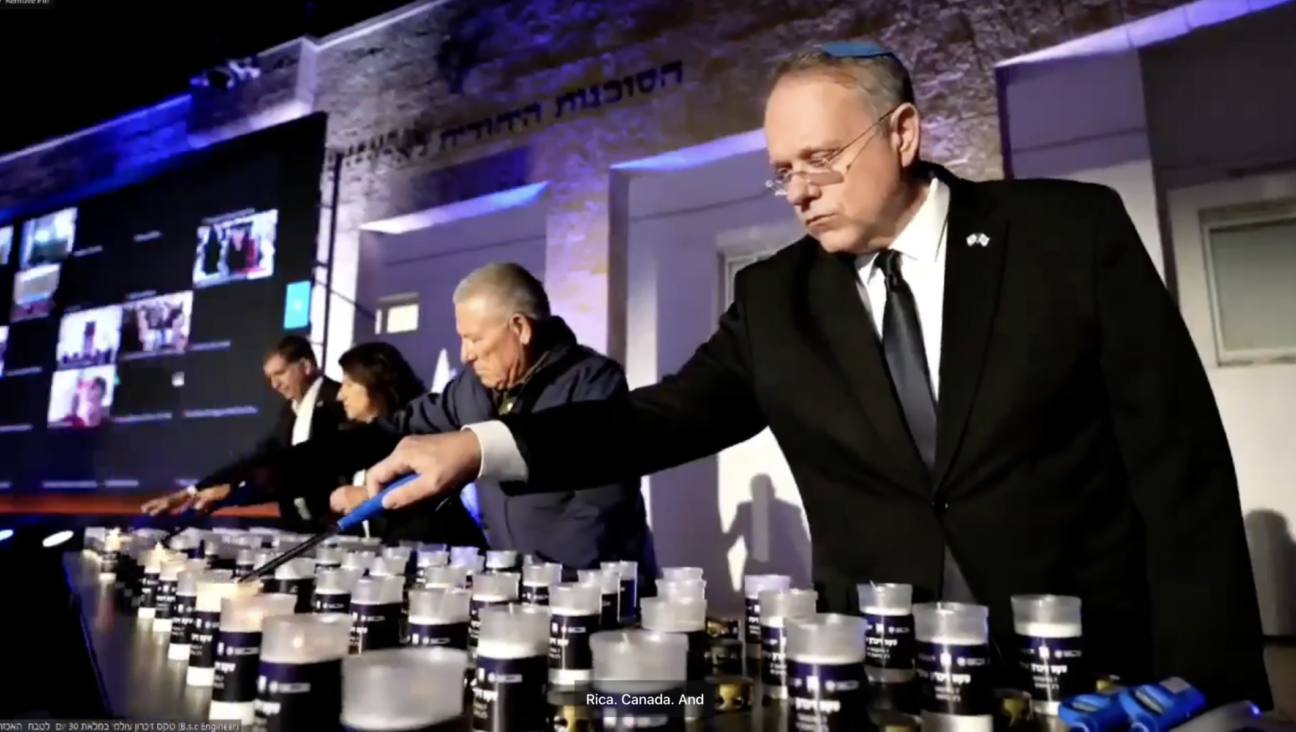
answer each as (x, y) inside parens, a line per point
(135, 321)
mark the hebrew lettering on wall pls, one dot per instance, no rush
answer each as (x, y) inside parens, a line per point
(403, 145)
(615, 91)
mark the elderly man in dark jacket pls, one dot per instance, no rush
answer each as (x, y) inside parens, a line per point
(520, 359)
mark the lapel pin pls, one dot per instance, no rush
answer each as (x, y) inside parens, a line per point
(977, 240)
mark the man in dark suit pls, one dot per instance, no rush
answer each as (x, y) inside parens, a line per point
(311, 409)
(983, 390)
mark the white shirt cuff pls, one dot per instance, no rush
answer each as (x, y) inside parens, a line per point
(501, 460)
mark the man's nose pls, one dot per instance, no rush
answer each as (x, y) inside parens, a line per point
(799, 192)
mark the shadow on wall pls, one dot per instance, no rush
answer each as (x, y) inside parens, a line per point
(1273, 560)
(685, 505)
(771, 530)
(774, 533)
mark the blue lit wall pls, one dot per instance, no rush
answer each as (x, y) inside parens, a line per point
(129, 149)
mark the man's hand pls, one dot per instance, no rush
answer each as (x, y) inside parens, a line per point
(174, 503)
(207, 496)
(345, 499)
(169, 503)
(445, 462)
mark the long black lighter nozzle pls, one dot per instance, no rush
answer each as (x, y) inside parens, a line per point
(365, 511)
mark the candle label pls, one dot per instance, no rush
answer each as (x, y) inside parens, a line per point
(331, 602)
(300, 588)
(535, 594)
(827, 697)
(611, 611)
(125, 578)
(773, 656)
(238, 656)
(889, 641)
(955, 680)
(628, 600)
(375, 627)
(698, 659)
(475, 606)
(446, 635)
(752, 632)
(511, 693)
(165, 599)
(1051, 667)
(299, 696)
(148, 589)
(182, 617)
(569, 641)
(202, 639)
(620, 711)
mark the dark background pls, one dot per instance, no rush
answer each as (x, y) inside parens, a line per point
(275, 169)
(118, 56)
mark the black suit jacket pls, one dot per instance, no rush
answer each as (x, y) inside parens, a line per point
(328, 417)
(1080, 450)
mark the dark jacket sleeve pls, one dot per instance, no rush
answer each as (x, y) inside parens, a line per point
(430, 414)
(597, 512)
(707, 406)
(1180, 471)
(240, 468)
(311, 467)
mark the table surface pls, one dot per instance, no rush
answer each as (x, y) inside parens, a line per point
(141, 683)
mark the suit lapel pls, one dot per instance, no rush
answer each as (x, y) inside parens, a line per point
(837, 306)
(322, 414)
(976, 241)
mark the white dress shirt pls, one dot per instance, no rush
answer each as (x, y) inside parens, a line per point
(922, 249)
(359, 479)
(305, 411)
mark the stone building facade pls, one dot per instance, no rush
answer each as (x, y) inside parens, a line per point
(577, 87)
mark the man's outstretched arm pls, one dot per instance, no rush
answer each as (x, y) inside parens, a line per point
(707, 406)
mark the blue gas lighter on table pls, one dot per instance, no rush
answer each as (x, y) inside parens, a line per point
(1162, 706)
(1100, 711)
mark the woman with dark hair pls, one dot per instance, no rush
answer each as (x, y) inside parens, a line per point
(377, 381)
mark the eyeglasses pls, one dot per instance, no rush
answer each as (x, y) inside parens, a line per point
(821, 170)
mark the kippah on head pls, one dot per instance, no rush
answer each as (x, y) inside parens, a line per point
(855, 49)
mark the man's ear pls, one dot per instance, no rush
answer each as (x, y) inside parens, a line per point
(522, 328)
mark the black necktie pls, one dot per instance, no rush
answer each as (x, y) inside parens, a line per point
(906, 358)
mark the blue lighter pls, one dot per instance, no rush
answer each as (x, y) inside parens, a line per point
(1160, 707)
(1100, 711)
